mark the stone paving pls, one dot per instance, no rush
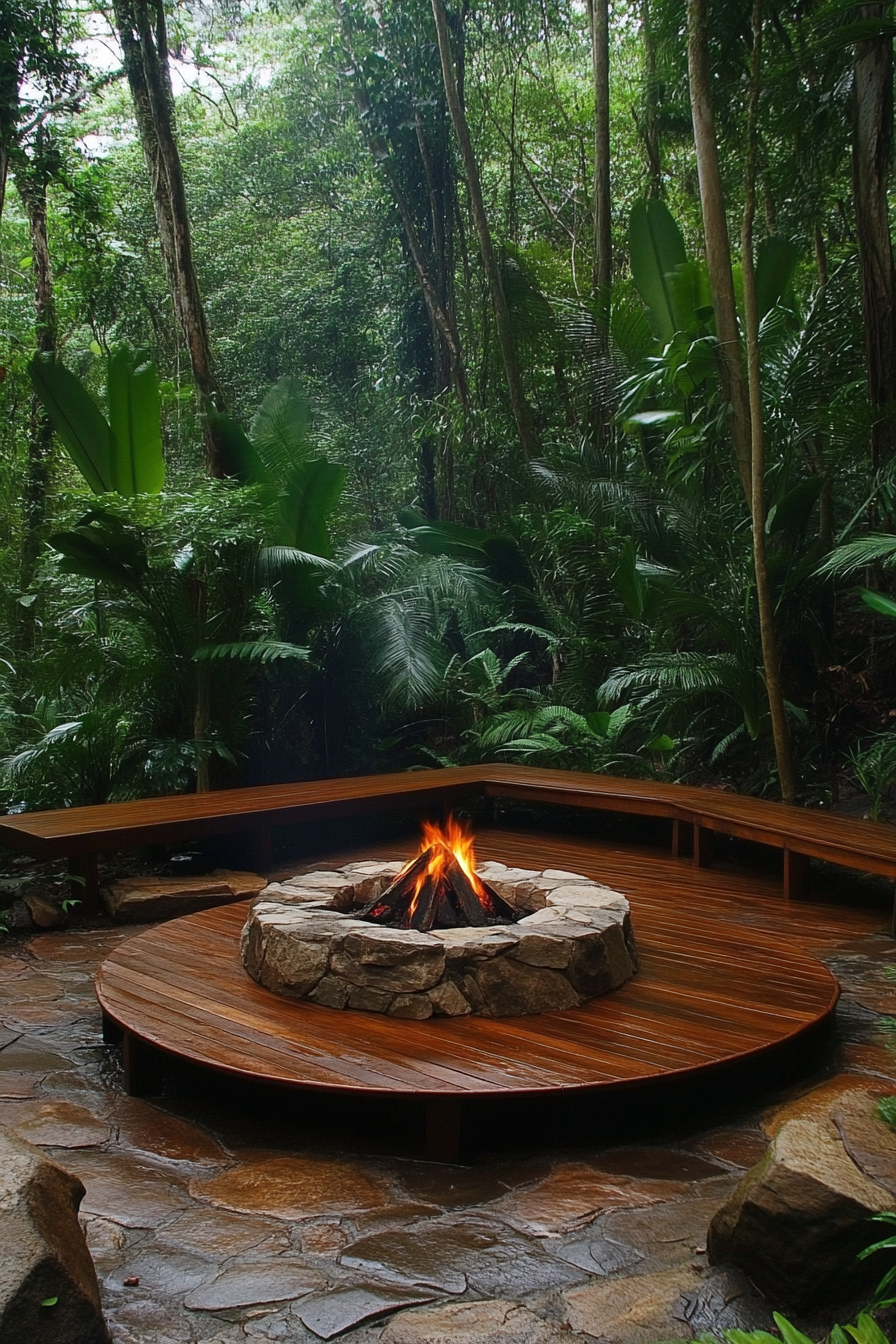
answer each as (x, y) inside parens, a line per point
(208, 1224)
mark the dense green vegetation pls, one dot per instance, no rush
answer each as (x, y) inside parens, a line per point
(404, 384)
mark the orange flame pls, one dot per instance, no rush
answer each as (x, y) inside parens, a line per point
(450, 841)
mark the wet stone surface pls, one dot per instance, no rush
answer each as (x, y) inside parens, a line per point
(216, 1219)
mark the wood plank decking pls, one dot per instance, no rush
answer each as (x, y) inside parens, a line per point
(727, 975)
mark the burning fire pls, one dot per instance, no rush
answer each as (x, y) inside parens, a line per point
(443, 845)
(439, 887)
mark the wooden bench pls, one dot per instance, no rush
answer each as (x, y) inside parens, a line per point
(80, 834)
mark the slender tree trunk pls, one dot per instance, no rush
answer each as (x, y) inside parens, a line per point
(651, 130)
(765, 601)
(718, 250)
(872, 145)
(599, 17)
(522, 412)
(144, 40)
(32, 188)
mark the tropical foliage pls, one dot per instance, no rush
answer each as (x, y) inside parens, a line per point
(367, 405)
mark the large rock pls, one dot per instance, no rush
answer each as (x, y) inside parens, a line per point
(797, 1221)
(511, 987)
(48, 1287)
(138, 900)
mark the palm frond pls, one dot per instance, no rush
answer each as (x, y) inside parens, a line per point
(409, 659)
(251, 651)
(873, 549)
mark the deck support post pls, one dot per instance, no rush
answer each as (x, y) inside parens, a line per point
(443, 1115)
(113, 1034)
(682, 838)
(142, 1067)
(796, 875)
(703, 846)
(85, 886)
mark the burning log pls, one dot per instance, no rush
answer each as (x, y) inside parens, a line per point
(434, 892)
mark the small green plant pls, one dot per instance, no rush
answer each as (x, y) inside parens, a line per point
(885, 1292)
(874, 763)
(70, 902)
(865, 1331)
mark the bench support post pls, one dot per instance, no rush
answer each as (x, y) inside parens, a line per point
(443, 1129)
(703, 846)
(796, 875)
(682, 838)
(86, 889)
(142, 1067)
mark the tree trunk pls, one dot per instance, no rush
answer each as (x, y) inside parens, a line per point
(718, 250)
(519, 405)
(144, 40)
(764, 598)
(651, 129)
(598, 14)
(872, 143)
(32, 187)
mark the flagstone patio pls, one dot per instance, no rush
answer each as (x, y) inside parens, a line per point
(222, 1218)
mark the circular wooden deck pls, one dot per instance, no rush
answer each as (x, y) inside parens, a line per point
(714, 987)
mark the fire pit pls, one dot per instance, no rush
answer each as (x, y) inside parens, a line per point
(440, 936)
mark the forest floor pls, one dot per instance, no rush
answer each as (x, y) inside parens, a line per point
(222, 1216)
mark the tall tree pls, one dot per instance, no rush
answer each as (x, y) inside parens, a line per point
(143, 33)
(872, 152)
(764, 599)
(746, 403)
(33, 172)
(519, 404)
(649, 124)
(599, 16)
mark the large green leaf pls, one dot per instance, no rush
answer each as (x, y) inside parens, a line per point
(312, 492)
(776, 260)
(132, 390)
(879, 602)
(77, 420)
(630, 586)
(657, 250)
(240, 456)
(499, 555)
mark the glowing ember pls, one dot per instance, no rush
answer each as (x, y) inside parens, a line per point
(439, 888)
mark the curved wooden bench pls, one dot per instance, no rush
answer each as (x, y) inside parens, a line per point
(696, 814)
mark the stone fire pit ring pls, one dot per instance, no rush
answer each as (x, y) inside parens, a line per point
(573, 942)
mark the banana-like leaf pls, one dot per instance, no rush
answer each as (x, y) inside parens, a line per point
(77, 420)
(311, 494)
(794, 509)
(776, 260)
(240, 456)
(657, 250)
(88, 556)
(630, 587)
(132, 390)
(499, 555)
